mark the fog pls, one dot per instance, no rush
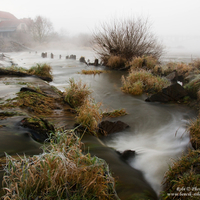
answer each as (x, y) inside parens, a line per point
(174, 22)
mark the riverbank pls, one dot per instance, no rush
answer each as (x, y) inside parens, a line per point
(143, 121)
(38, 94)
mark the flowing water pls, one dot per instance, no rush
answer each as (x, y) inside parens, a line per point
(157, 131)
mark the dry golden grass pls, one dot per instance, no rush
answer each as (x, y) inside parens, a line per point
(194, 130)
(92, 71)
(183, 174)
(76, 94)
(141, 81)
(145, 61)
(89, 116)
(116, 62)
(115, 113)
(61, 172)
(43, 70)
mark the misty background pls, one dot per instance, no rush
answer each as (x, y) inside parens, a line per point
(174, 22)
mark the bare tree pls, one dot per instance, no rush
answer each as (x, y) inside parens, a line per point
(127, 39)
(41, 28)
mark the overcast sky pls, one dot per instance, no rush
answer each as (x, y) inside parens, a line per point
(168, 17)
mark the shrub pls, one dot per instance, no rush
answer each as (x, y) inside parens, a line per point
(126, 38)
(61, 172)
(76, 94)
(116, 62)
(43, 70)
(141, 81)
(183, 174)
(89, 116)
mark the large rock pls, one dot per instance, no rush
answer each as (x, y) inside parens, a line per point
(174, 92)
(108, 127)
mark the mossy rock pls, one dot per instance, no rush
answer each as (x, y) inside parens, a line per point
(40, 128)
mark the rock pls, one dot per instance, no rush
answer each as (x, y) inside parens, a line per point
(39, 128)
(72, 57)
(108, 127)
(82, 59)
(174, 92)
(96, 62)
(173, 77)
(126, 155)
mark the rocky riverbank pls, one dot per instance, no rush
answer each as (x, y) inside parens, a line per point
(38, 110)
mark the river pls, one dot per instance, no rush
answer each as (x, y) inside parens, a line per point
(157, 131)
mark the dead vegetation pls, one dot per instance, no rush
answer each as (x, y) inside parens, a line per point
(61, 172)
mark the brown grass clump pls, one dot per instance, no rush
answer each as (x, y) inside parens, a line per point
(115, 113)
(89, 116)
(194, 130)
(92, 71)
(149, 62)
(76, 94)
(61, 172)
(116, 62)
(182, 69)
(184, 174)
(43, 70)
(141, 81)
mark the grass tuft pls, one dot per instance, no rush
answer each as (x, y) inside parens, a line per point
(183, 174)
(194, 130)
(76, 94)
(92, 71)
(89, 116)
(141, 81)
(115, 113)
(61, 172)
(43, 70)
(116, 62)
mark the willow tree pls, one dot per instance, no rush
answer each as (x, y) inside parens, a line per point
(126, 38)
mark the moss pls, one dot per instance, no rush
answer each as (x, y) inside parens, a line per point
(6, 114)
(33, 102)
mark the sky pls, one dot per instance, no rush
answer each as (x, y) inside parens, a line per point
(168, 17)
